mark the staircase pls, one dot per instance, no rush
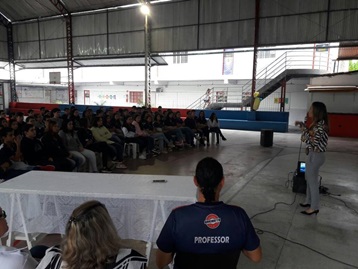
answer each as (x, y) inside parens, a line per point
(200, 103)
(291, 64)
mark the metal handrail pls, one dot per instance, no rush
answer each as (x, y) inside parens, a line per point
(198, 103)
(217, 95)
(288, 60)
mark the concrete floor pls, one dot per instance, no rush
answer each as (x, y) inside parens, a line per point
(256, 179)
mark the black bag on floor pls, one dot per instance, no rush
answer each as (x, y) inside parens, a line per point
(299, 183)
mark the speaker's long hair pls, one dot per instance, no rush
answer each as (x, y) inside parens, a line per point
(209, 173)
(91, 238)
(319, 112)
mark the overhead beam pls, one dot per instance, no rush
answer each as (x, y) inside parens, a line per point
(68, 18)
(328, 18)
(10, 51)
(60, 6)
(4, 21)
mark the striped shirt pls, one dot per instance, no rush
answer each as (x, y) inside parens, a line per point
(126, 259)
(316, 138)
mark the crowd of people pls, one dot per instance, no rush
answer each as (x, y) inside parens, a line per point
(68, 141)
(206, 234)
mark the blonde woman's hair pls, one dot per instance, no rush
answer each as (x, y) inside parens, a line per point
(91, 238)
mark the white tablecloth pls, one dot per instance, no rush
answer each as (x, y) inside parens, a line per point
(137, 206)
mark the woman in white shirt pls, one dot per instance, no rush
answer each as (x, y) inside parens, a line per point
(214, 127)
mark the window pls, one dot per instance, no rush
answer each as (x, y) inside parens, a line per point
(266, 54)
(136, 97)
(180, 58)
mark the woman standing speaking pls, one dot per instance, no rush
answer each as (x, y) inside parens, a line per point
(316, 137)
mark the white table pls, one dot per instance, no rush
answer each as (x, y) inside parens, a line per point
(41, 202)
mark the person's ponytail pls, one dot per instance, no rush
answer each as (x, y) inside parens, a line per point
(209, 173)
(209, 194)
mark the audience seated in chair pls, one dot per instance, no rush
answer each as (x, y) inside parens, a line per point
(214, 127)
(55, 149)
(157, 135)
(11, 159)
(188, 133)
(202, 125)
(190, 122)
(32, 149)
(72, 143)
(149, 141)
(20, 122)
(86, 138)
(170, 126)
(102, 134)
(14, 125)
(75, 118)
(56, 116)
(166, 128)
(129, 132)
(159, 126)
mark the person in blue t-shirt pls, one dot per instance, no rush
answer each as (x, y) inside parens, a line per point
(207, 234)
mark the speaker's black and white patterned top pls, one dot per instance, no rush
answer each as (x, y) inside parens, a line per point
(316, 137)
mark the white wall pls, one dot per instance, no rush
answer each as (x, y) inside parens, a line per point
(182, 83)
(297, 100)
(4, 74)
(105, 94)
(107, 74)
(203, 66)
(179, 94)
(349, 79)
(337, 102)
(344, 102)
(54, 94)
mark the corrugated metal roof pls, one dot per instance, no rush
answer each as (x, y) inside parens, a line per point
(19, 10)
(85, 5)
(26, 9)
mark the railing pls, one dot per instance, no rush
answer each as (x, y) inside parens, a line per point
(199, 103)
(288, 60)
(216, 95)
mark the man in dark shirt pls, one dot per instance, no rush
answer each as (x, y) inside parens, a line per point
(190, 122)
(10, 155)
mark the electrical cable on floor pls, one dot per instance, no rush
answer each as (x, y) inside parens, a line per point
(274, 207)
(350, 208)
(260, 231)
(289, 181)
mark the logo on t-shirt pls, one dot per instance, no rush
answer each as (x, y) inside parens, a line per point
(212, 221)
